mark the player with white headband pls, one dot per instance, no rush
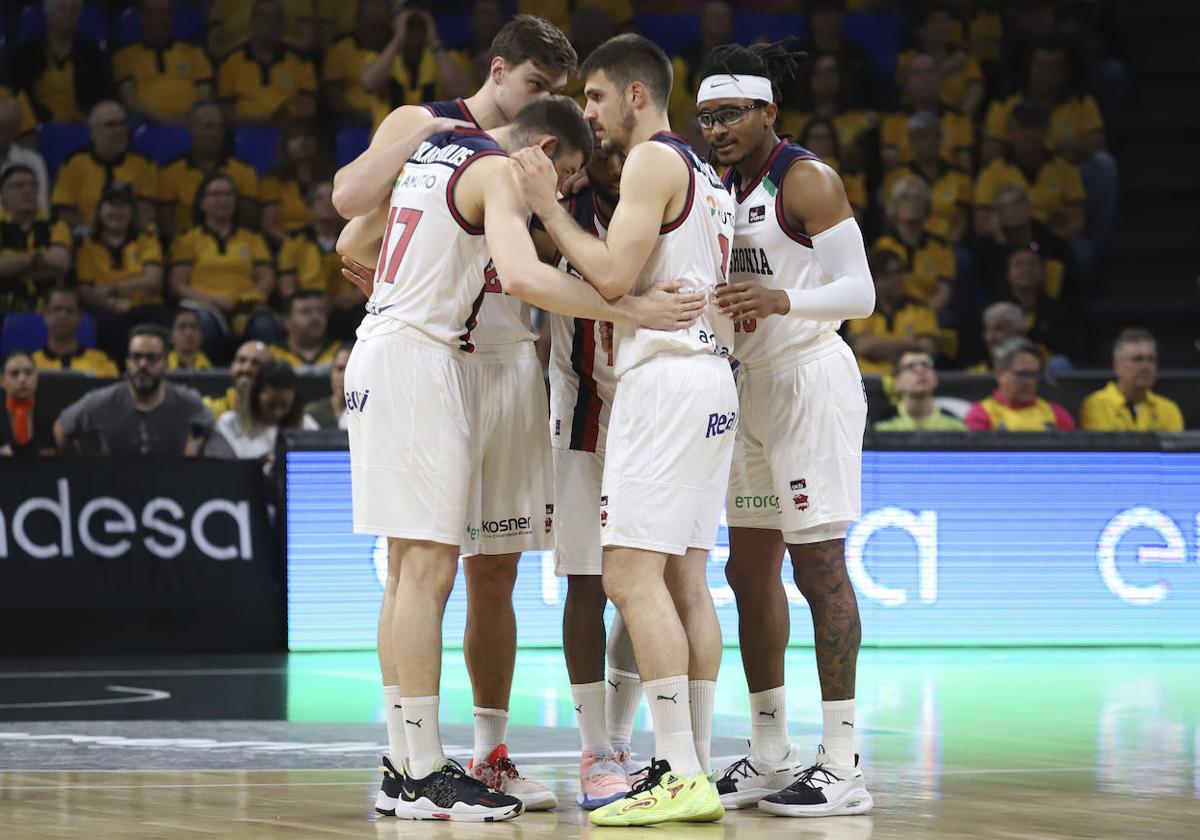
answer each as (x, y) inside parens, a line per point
(797, 270)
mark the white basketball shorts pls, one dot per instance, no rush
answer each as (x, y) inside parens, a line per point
(670, 442)
(797, 464)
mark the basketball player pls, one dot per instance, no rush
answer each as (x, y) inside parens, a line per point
(581, 395)
(414, 452)
(530, 58)
(670, 435)
(798, 269)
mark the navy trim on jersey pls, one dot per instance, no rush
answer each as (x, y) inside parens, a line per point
(453, 109)
(674, 141)
(467, 137)
(585, 417)
(782, 160)
(472, 322)
(742, 193)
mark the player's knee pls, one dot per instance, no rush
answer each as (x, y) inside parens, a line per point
(434, 578)
(618, 588)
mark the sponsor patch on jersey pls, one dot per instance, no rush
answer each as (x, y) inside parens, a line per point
(757, 214)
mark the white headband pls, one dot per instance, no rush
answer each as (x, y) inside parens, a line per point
(735, 87)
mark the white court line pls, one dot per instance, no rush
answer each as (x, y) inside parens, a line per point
(192, 672)
(142, 695)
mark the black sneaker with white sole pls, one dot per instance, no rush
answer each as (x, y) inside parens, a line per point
(822, 790)
(448, 793)
(389, 789)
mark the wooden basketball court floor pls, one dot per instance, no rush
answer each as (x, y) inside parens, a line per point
(1046, 743)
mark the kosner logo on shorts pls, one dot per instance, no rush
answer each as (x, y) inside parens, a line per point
(45, 527)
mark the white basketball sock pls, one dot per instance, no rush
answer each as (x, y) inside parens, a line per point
(491, 725)
(394, 714)
(673, 741)
(589, 712)
(838, 736)
(422, 733)
(623, 696)
(700, 705)
(768, 724)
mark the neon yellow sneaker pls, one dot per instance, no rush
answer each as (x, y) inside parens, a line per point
(663, 796)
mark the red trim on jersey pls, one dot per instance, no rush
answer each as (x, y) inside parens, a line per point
(462, 106)
(585, 417)
(744, 192)
(472, 322)
(691, 193)
(463, 223)
(781, 217)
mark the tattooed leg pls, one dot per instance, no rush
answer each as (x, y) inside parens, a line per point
(820, 574)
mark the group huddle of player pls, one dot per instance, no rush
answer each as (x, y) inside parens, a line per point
(466, 213)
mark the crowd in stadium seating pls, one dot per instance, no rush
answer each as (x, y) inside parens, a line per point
(169, 163)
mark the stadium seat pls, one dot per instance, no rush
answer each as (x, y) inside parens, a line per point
(161, 143)
(350, 142)
(188, 25)
(671, 32)
(31, 22)
(58, 141)
(27, 331)
(256, 145)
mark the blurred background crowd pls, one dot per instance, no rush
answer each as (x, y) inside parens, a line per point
(166, 167)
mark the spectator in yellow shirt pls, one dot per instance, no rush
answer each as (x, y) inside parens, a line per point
(962, 78)
(159, 78)
(63, 315)
(309, 260)
(341, 72)
(209, 154)
(64, 73)
(827, 99)
(83, 175)
(898, 324)
(224, 269)
(1127, 404)
(303, 162)
(120, 272)
(267, 81)
(13, 152)
(1013, 226)
(949, 186)
(921, 84)
(927, 258)
(26, 121)
(916, 382)
(306, 318)
(185, 343)
(1052, 182)
(35, 253)
(1015, 406)
(246, 362)
(414, 66)
(231, 24)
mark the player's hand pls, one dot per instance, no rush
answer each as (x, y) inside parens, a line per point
(606, 335)
(536, 178)
(359, 275)
(439, 125)
(665, 306)
(576, 183)
(751, 300)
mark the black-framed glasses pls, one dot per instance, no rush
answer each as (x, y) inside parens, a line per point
(919, 363)
(726, 115)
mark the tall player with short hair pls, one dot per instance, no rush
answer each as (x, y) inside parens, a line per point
(670, 435)
(530, 58)
(798, 269)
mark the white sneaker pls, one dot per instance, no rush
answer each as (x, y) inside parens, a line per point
(822, 790)
(749, 779)
(500, 774)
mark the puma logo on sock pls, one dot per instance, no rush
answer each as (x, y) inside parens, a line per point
(416, 723)
(579, 709)
(847, 723)
(616, 685)
(397, 707)
(770, 714)
(671, 698)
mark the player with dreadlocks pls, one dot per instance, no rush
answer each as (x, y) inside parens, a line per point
(797, 270)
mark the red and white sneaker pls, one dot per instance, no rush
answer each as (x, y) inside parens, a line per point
(601, 779)
(500, 774)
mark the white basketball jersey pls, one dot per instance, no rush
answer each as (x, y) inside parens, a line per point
(693, 248)
(769, 252)
(582, 382)
(431, 268)
(503, 319)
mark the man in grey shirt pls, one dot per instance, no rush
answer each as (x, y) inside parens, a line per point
(141, 415)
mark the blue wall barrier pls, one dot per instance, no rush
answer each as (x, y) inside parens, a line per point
(957, 548)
